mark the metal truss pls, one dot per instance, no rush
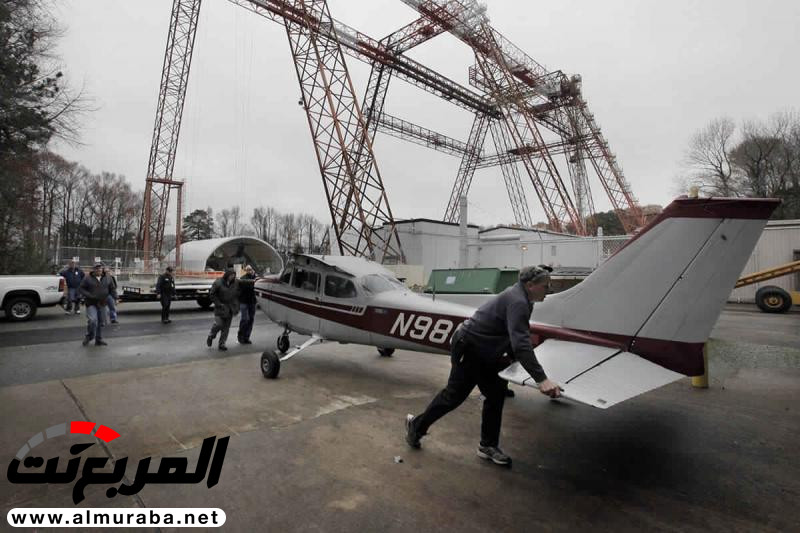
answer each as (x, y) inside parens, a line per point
(171, 96)
(516, 193)
(466, 169)
(358, 204)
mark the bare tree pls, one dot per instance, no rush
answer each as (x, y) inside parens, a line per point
(708, 159)
(229, 222)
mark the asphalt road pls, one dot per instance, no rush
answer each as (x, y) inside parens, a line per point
(322, 449)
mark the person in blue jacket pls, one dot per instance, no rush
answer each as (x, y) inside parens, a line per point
(73, 275)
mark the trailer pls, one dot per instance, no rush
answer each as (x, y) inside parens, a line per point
(191, 289)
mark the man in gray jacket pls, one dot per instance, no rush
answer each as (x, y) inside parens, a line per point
(496, 334)
(95, 289)
(225, 295)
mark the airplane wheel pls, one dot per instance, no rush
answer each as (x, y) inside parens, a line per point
(386, 352)
(283, 343)
(270, 365)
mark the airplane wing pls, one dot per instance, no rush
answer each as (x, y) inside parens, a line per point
(594, 375)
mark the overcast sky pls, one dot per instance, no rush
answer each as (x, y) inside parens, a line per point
(653, 72)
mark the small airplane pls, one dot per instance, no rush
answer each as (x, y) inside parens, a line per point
(638, 322)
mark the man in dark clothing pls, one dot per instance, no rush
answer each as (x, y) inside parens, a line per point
(225, 295)
(165, 289)
(112, 300)
(247, 305)
(73, 275)
(479, 349)
(95, 289)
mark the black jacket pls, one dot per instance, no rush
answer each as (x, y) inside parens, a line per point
(502, 325)
(96, 290)
(225, 297)
(247, 292)
(165, 287)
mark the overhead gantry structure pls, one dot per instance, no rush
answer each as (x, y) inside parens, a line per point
(531, 114)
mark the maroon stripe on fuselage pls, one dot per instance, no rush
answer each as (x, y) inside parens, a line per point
(378, 320)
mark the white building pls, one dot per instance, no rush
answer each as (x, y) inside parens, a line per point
(430, 244)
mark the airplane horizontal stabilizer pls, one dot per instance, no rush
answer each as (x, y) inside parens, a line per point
(595, 375)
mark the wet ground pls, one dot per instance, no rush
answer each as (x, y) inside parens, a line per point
(317, 449)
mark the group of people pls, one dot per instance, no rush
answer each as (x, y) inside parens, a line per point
(98, 293)
(232, 296)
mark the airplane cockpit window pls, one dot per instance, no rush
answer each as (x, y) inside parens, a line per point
(338, 287)
(286, 276)
(376, 283)
(306, 280)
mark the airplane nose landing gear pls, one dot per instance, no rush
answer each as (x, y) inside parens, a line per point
(283, 343)
(270, 364)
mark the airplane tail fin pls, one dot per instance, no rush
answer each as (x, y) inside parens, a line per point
(660, 295)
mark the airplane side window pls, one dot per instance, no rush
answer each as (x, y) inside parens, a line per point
(306, 280)
(338, 287)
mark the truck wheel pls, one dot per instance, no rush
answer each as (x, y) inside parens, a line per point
(270, 365)
(773, 299)
(205, 303)
(20, 308)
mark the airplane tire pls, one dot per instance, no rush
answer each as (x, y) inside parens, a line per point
(283, 343)
(386, 352)
(270, 365)
(773, 299)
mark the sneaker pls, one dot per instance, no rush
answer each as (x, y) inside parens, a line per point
(412, 438)
(168, 321)
(77, 312)
(494, 454)
(245, 341)
(100, 343)
(86, 340)
(223, 348)
(67, 312)
(209, 340)
(114, 321)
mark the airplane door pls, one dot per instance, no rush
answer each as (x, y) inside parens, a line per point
(303, 314)
(345, 307)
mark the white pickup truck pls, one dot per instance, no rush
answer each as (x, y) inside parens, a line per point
(21, 296)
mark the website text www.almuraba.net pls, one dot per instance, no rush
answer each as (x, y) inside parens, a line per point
(116, 517)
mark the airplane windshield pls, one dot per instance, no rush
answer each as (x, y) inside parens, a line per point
(377, 283)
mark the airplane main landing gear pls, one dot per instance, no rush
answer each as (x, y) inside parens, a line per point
(283, 342)
(386, 352)
(270, 364)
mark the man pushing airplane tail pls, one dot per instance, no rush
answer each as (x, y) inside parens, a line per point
(496, 335)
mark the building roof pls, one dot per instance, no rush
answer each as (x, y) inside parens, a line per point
(527, 230)
(443, 223)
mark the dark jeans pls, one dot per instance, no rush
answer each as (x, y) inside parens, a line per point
(246, 319)
(165, 303)
(221, 325)
(473, 369)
